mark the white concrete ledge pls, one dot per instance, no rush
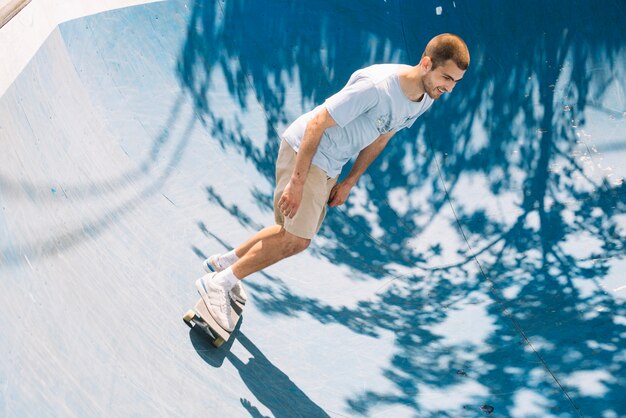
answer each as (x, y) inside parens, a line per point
(22, 36)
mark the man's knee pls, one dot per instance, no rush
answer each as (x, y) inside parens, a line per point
(295, 244)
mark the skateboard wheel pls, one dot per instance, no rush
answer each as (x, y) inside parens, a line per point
(189, 316)
(217, 343)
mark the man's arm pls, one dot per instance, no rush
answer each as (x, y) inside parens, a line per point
(292, 195)
(340, 192)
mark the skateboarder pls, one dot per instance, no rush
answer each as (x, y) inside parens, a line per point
(360, 119)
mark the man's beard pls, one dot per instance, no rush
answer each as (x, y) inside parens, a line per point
(431, 90)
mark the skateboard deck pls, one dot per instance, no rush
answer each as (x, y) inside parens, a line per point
(200, 317)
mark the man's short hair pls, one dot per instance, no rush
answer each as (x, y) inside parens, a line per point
(446, 47)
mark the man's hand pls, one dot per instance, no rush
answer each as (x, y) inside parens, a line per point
(339, 194)
(290, 200)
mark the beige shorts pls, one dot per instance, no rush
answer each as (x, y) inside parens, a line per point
(317, 188)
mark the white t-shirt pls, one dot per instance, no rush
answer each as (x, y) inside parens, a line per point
(371, 104)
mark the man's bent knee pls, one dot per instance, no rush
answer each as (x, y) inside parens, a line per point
(295, 244)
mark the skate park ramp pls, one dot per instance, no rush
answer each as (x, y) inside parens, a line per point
(476, 270)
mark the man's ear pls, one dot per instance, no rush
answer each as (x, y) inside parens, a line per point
(426, 63)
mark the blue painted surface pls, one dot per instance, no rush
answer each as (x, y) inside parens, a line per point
(479, 264)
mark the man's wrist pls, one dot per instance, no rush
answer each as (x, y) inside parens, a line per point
(297, 181)
(351, 181)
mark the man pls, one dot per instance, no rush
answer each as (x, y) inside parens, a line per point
(360, 119)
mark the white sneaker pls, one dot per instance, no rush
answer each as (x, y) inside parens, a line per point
(237, 293)
(217, 301)
(210, 264)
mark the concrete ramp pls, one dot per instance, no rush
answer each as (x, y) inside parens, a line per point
(477, 270)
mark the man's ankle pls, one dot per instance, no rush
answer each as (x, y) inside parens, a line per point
(226, 278)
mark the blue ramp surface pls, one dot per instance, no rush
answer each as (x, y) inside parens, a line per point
(476, 270)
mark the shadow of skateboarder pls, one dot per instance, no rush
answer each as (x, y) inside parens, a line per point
(270, 386)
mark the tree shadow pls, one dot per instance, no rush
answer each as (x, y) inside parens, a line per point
(500, 166)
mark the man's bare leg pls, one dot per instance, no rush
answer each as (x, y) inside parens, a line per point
(267, 247)
(243, 249)
(263, 235)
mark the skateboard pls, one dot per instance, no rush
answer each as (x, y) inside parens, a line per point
(200, 317)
